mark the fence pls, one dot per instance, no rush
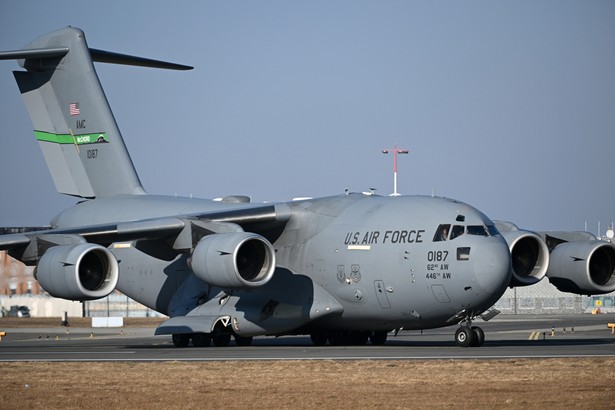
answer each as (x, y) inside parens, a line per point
(116, 305)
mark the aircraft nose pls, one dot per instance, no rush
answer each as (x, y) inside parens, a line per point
(492, 267)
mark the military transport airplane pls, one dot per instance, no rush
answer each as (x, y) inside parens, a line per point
(344, 269)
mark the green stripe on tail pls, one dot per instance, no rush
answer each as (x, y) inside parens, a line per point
(78, 139)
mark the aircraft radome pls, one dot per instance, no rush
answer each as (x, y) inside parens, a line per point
(344, 269)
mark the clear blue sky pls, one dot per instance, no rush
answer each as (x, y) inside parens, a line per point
(509, 106)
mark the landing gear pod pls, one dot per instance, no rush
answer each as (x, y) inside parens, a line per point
(234, 260)
(78, 272)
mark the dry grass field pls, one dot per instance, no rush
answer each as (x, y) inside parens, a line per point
(466, 384)
(586, 383)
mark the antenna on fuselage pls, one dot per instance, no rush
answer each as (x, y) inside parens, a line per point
(395, 152)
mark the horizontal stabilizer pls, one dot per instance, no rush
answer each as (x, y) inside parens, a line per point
(102, 56)
(99, 56)
(34, 53)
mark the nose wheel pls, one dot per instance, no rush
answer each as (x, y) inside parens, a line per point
(468, 335)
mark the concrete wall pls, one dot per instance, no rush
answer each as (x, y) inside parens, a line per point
(115, 304)
(43, 306)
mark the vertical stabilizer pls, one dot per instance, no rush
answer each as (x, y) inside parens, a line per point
(72, 120)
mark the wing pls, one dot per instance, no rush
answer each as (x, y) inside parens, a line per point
(80, 263)
(181, 233)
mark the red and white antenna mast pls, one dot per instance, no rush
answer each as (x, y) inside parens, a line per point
(395, 152)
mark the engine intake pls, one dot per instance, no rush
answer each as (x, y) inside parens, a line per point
(233, 260)
(78, 272)
(585, 268)
(529, 255)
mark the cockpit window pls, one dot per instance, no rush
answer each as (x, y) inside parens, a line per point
(457, 230)
(442, 233)
(477, 230)
(445, 232)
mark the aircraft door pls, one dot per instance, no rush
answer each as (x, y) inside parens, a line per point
(440, 294)
(381, 294)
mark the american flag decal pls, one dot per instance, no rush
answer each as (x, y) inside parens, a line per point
(73, 109)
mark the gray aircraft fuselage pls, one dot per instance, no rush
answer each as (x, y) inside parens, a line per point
(376, 256)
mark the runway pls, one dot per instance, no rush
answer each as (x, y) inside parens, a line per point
(506, 337)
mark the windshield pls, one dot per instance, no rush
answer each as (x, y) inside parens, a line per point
(477, 230)
(446, 232)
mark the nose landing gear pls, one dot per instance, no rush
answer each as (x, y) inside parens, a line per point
(467, 336)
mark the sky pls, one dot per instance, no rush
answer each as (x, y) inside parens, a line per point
(508, 106)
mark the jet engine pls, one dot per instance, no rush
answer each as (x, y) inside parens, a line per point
(586, 267)
(233, 260)
(529, 256)
(78, 272)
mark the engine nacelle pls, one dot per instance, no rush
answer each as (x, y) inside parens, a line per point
(233, 260)
(585, 268)
(529, 255)
(78, 272)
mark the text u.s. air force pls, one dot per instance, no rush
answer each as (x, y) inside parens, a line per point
(384, 237)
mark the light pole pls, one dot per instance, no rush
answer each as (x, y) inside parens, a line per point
(395, 152)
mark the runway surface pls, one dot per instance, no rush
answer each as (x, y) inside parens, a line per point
(506, 337)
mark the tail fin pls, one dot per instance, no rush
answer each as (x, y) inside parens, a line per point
(72, 121)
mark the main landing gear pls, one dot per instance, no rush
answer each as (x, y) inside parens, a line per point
(221, 337)
(347, 337)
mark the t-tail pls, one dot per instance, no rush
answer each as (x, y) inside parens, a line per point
(72, 120)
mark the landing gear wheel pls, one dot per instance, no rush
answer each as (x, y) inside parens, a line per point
(243, 340)
(464, 336)
(338, 337)
(181, 340)
(319, 338)
(201, 339)
(221, 337)
(479, 336)
(378, 338)
(359, 338)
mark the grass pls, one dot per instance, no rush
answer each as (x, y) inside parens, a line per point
(475, 384)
